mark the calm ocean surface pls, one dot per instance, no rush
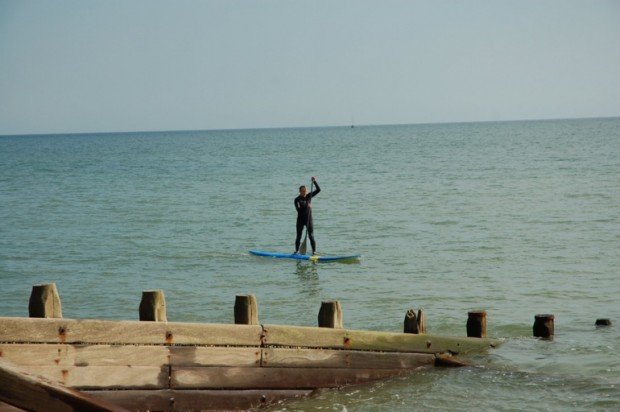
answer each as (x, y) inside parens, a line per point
(517, 218)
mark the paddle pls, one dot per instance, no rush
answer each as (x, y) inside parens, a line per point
(304, 245)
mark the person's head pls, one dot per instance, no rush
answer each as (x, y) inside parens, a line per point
(302, 190)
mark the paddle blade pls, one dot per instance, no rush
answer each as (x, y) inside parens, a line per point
(304, 246)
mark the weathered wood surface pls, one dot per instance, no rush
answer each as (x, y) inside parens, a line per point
(161, 333)
(288, 368)
(5, 407)
(214, 356)
(196, 400)
(421, 321)
(159, 358)
(326, 358)
(477, 324)
(411, 324)
(32, 354)
(104, 377)
(407, 342)
(36, 330)
(45, 302)
(544, 326)
(153, 306)
(34, 393)
(246, 310)
(309, 337)
(330, 315)
(273, 378)
(62, 355)
(446, 360)
(303, 336)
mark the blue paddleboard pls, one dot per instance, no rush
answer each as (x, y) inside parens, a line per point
(298, 256)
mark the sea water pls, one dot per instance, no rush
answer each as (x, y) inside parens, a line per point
(515, 218)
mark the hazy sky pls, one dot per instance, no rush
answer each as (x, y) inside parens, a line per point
(79, 66)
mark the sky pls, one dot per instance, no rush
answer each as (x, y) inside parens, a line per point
(142, 65)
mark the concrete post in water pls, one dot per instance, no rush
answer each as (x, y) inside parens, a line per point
(414, 322)
(153, 306)
(44, 302)
(330, 315)
(246, 310)
(477, 324)
(543, 326)
(603, 322)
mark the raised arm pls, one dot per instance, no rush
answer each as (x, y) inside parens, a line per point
(315, 191)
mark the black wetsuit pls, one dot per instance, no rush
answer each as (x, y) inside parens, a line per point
(304, 217)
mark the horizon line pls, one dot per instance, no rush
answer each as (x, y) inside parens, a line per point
(304, 127)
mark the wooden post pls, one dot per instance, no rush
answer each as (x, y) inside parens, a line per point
(411, 322)
(246, 310)
(477, 324)
(414, 322)
(603, 322)
(543, 326)
(330, 315)
(153, 306)
(44, 302)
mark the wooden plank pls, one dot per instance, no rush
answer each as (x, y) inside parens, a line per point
(309, 337)
(448, 361)
(203, 400)
(34, 393)
(5, 407)
(31, 354)
(214, 356)
(407, 342)
(36, 354)
(302, 336)
(121, 355)
(35, 330)
(326, 358)
(104, 377)
(273, 378)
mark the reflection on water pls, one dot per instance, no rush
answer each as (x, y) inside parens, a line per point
(308, 276)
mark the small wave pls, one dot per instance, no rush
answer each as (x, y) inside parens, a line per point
(444, 222)
(587, 196)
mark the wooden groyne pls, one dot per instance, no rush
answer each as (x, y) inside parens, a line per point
(161, 365)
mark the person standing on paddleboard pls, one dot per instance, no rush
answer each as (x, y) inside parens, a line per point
(303, 205)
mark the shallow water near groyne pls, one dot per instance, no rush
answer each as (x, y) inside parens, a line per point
(515, 218)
